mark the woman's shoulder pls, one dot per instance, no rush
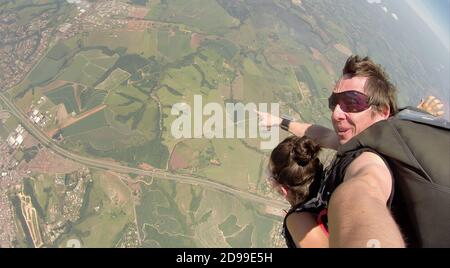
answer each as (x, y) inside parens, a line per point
(305, 230)
(300, 218)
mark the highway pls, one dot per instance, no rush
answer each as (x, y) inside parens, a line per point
(155, 173)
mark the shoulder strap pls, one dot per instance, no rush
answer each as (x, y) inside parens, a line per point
(419, 116)
(335, 173)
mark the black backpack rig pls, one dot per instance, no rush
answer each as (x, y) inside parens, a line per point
(416, 147)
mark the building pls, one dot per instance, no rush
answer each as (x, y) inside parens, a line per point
(19, 139)
(19, 129)
(11, 141)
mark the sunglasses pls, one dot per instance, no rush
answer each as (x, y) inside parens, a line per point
(349, 101)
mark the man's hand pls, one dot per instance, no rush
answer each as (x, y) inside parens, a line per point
(432, 105)
(268, 120)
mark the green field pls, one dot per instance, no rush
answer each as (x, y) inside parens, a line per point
(91, 98)
(151, 152)
(174, 46)
(160, 219)
(45, 71)
(224, 47)
(131, 63)
(87, 67)
(229, 226)
(58, 52)
(46, 195)
(131, 93)
(7, 125)
(243, 239)
(207, 16)
(128, 148)
(66, 96)
(89, 123)
(28, 189)
(224, 208)
(217, 220)
(233, 170)
(4, 132)
(135, 109)
(114, 213)
(195, 153)
(108, 209)
(115, 78)
(184, 80)
(144, 42)
(11, 123)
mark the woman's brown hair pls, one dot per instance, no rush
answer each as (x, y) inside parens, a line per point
(294, 163)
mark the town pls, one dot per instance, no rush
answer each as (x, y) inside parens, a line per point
(23, 44)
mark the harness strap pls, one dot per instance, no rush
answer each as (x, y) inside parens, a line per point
(322, 220)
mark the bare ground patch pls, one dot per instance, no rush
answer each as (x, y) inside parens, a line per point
(196, 40)
(224, 90)
(138, 25)
(323, 60)
(48, 162)
(146, 166)
(177, 162)
(29, 141)
(137, 12)
(343, 49)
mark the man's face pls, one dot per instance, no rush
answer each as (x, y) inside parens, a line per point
(347, 124)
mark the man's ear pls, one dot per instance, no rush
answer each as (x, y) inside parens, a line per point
(384, 111)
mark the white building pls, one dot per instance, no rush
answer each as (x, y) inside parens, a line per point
(11, 141)
(36, 119)
(19, 129)
(19, 139)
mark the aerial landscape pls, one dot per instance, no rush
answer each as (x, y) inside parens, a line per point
(86, 94)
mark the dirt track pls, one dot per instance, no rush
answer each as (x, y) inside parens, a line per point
(73, 120)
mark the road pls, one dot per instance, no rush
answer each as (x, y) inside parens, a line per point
(155, 173)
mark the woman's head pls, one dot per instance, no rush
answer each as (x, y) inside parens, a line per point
(294, 165)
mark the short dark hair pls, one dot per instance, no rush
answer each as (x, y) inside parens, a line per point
(294, 163)
(378, 87)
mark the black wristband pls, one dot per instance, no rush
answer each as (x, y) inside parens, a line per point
(285, 124)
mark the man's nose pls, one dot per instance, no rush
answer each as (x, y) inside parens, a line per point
(338, 114)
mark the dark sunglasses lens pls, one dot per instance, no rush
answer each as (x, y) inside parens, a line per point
(349, 101)
(332, 102)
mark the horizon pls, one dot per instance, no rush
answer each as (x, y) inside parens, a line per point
(436, 14)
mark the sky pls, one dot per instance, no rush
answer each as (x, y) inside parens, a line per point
(435, 13)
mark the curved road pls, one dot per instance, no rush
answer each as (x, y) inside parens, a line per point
(157, 173)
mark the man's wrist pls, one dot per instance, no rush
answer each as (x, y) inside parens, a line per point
(285, 122)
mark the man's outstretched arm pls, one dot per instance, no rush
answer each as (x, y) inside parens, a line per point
(324, 136)
(358, 215)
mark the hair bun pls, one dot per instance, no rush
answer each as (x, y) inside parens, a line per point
(304, 150)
